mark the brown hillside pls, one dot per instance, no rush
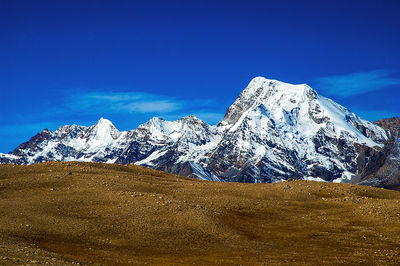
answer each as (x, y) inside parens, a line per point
(68, 213)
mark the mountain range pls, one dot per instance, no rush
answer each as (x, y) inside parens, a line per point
(274, 131)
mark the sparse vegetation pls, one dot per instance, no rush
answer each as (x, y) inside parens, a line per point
(92, 213)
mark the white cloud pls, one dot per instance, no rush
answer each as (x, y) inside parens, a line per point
(128, 102)
(356, 83)
(106, 103)
(152, 107)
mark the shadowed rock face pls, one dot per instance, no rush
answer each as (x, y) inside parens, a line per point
(390, 124)
(381, 168)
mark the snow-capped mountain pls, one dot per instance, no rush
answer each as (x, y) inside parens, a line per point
(273, 131)
(276, 130)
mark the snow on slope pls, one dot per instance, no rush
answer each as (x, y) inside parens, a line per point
(292, 132)
(7, 158)
(295, 108)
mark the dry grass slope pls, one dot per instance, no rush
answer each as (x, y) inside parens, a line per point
(88, 213)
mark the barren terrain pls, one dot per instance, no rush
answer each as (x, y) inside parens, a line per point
(92, 213)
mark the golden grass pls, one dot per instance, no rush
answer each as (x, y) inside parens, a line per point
(92, 213)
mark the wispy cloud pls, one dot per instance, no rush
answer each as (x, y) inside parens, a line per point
(123, 102)
(140, 104)
(356, 83)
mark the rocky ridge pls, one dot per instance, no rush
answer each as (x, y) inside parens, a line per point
(381, 167)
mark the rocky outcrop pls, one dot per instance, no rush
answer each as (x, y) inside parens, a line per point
(381, 167)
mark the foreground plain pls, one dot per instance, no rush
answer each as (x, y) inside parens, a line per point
(92, 213)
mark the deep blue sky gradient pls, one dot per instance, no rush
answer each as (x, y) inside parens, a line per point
(72, 62)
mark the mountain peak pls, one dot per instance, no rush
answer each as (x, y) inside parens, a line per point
(104, 129)
(104, 121)
(262, 81)
(260, 84)
(191, 118)
(273, 94)
(104, 125)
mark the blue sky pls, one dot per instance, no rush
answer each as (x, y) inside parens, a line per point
(72, 62)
